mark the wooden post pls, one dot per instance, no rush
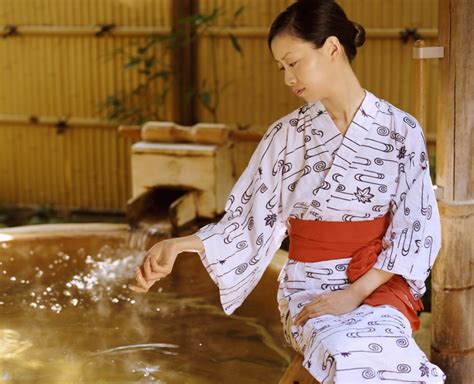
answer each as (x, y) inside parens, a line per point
(420, 88)
(184, 63)
(453, 275)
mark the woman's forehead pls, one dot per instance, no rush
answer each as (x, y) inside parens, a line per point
(285, 44)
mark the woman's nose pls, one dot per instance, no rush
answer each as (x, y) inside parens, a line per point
(290, 80)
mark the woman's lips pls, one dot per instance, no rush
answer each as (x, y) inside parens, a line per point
(299, 92)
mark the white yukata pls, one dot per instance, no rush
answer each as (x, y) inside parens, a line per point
(304, 168)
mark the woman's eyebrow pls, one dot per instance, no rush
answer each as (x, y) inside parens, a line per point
(283, 58)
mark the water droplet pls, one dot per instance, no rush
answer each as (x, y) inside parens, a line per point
(13, 278)
(56, 308)
(132, 301)
(74, 302)
(115, 300)
(34, 305)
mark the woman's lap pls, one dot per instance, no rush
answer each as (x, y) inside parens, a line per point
(369, 344)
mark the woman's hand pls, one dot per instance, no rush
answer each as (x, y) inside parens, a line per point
(331, 303)
(159, 260)
(156, 264)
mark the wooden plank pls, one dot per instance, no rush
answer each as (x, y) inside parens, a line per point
(296, 373)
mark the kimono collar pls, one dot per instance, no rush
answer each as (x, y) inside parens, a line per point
(363, 116)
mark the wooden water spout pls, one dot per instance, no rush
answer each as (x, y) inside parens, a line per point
(179, 173)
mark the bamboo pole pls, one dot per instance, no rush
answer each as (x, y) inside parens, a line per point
(114, 30)
(453, 275)
(87, 30)
(370, 32)
(54, 120)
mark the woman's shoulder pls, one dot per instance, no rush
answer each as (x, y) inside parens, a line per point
(405, 126)
(401, 118)
(282, 125)
(290, 117)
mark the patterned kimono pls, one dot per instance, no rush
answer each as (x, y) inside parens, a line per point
(304, 168)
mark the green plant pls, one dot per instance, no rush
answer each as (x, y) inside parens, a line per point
(5, 215)
(44, 214)
(146, 101)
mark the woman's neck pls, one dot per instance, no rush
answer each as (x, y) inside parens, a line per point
(345, 98)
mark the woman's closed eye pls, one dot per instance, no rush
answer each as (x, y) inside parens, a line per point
(291, 65)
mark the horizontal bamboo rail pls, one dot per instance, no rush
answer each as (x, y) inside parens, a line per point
(113, 30)
(54, 120)
(370, 32)
(86, 30)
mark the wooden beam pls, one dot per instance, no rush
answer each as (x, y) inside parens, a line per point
(452, 345)
(184, 63)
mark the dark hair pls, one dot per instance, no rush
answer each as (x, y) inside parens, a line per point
(314, 21)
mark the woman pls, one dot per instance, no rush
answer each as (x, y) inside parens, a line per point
(346, 176)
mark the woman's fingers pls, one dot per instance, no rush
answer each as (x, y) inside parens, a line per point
(147, 268)
(157, 263)
(156, 267)
(145, 277)
(142, 282)
(308, 312)
(137, 289)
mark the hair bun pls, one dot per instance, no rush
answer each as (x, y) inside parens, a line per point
(359, 36)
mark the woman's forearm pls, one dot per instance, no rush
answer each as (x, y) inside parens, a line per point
(369, 282)
(190, 243)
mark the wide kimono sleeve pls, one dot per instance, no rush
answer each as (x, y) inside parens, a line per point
(413, 239)
(239, 247)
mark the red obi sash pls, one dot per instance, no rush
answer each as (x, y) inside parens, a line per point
(312, 241)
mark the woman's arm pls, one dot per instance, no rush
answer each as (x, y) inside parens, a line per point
(190, 243)
(369, 282)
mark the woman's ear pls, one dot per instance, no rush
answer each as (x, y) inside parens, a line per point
(332, 47)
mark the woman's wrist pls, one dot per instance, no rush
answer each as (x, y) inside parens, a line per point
(190, 243)
(369, 282)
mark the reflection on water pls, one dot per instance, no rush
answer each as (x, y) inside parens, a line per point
(67, 316)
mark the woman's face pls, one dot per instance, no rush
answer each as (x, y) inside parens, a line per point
(308, 71)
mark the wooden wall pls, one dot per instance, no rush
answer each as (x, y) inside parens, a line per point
(57, 69)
